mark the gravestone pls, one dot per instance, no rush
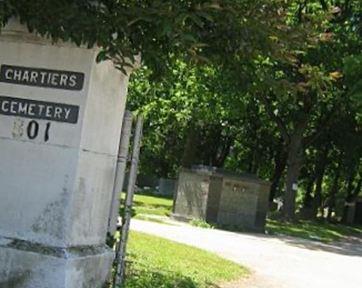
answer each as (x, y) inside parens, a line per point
(358, 212)
(60, 122)
(166, 187)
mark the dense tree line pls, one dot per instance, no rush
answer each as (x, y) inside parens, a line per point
(292, 117)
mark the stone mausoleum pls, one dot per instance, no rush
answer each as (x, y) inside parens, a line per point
(222, 198)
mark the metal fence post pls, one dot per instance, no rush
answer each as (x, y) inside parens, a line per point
(121, 171)
(126, 219)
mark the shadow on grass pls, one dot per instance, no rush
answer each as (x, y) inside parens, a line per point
(161, 279)
(316, 230)
(351, 247)
(349, 244)
(319, 236)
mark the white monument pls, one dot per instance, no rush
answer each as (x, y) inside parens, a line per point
(60, 124)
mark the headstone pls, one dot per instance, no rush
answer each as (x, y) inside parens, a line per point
(166, 187)
(358, 212)
(60, 122)
(351, 212)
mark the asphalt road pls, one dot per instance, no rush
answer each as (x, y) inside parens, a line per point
(275, 261)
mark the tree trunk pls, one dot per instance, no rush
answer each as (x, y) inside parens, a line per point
(224, 152)
(306, 212)
(190, 151)
(308, 198)
(250, 161)
(349, 195)
(295, 152)
(320, 169)
(333, 193)
(280, 160)
(350, 198)
(294, 161)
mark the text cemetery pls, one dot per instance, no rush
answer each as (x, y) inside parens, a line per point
(38, 109)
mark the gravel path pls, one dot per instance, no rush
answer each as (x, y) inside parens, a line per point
(276, 262)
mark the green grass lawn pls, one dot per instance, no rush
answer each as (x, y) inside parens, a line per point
(152, 205)
(313, 230)
(320, 231)
(158, 263)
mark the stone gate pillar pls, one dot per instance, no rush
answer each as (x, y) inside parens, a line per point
(60, 122)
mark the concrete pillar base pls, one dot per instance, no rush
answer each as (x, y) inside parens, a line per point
(28, 265)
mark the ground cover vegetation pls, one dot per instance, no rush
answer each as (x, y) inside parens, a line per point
(152, 205)
(169, 264)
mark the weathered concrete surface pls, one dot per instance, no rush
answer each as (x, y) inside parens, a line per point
(26, 265)
(51, 188)
(192, 194)
(276, 262)
(56, 186)
(222, 198)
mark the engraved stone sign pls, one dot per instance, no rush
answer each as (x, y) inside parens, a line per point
(60, 122)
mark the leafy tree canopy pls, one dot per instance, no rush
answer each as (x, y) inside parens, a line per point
(200, 30)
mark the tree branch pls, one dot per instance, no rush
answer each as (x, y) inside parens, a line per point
(283, 129)
(324, 5)
(320, 129)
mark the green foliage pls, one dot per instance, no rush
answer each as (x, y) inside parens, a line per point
(155, 262)
(199, 97)
(353, 77)
(201, 224)
(198, 30)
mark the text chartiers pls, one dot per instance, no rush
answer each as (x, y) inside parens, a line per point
(42, 77)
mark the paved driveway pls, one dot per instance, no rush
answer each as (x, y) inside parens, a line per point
(276, 262)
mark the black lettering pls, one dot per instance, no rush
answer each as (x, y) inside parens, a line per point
(46, 135)
(33, 129)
